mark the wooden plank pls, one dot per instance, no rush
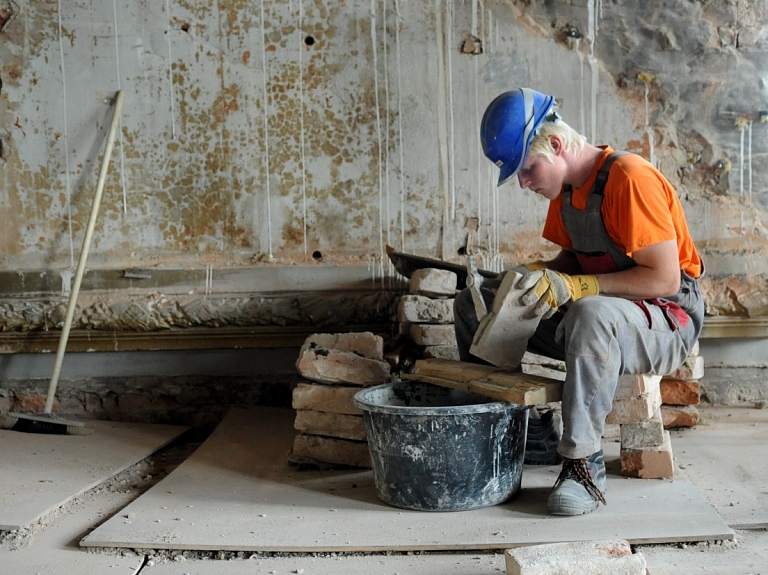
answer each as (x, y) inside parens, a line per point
(514, 387)
(522, 394)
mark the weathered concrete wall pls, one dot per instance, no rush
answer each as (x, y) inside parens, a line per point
(272, 132)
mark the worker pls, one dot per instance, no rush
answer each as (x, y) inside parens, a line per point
(620, 297)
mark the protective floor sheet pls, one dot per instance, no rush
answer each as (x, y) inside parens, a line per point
(237, 492)
(42, 472)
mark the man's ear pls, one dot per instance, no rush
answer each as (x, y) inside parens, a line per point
(556, 143)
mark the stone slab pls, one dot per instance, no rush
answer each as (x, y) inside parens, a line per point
(237, 492)
(40, 473)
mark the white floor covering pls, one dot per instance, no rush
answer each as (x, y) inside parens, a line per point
(41, 472)
(238, 493)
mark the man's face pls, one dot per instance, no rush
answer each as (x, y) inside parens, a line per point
(541, 176)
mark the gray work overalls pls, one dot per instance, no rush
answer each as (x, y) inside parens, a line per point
(601, 337)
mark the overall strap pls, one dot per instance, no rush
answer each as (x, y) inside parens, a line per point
(595, 250)
(602, 177)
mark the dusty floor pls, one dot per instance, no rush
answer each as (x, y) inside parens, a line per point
(724, 457)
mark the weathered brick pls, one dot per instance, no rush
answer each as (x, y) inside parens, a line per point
(427, 334)
(442, 352)
(422, 309)
(632, 385)
(327, 398)
(675, 392)
(692, 368)
(679, 416)
(582, 557)
(612, 431)
(635, 409)
(30, 403)
(649, 462)
(433, 282)
(330, 424)
(314, 448)
(333, 366)
(644, 433)
(362, 343)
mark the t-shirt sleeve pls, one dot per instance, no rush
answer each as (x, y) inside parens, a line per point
(636, 209)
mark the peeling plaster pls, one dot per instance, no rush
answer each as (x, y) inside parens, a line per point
(270, 131)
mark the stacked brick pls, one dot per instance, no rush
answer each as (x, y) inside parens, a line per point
(336, 366)
(646, 449)
(645, 407)
(681, 393)
(426, 314)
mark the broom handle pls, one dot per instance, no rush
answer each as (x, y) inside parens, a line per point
(83, 256)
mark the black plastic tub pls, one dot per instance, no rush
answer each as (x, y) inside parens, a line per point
(439, 449)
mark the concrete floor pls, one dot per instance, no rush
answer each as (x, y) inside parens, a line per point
(724, 457)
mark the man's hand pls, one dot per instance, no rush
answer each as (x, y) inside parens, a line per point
(553, 290)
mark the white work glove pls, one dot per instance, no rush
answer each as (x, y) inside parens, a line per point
(553, 290)
(525, 269)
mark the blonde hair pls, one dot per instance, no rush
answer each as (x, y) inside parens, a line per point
(540, 145)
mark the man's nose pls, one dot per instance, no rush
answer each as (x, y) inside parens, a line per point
(523, 180)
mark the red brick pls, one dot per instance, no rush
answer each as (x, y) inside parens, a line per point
(692, 368)
(632, 385)
(330, 424)
(333, 366)
(649, 463)
(679, 416)
(327, 398)
(426, 334)
(313, 449)
(674, 392)
(635, 409)
(29, 403)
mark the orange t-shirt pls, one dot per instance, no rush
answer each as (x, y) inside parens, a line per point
(640, 209)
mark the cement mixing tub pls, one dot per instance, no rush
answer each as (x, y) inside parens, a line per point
(438, 449)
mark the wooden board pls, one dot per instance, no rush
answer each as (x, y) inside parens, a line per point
(514, 387)
(238, 493)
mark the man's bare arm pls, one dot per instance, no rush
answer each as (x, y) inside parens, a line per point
(657, 274)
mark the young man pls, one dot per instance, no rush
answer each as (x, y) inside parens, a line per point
(620, 297)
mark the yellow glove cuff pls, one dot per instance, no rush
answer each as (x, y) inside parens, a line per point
(584, 285)
(535, 266)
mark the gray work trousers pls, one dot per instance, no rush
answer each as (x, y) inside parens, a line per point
(599, 338)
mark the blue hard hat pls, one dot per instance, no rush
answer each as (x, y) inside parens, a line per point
(509, 124)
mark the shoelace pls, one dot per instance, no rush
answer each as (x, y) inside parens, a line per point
(578, 470)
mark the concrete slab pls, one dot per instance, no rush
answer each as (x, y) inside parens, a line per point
(40, 473)
(237, 493)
